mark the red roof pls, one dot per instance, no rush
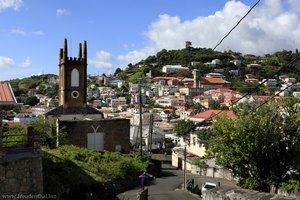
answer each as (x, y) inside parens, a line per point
(7, 96)
(212, 113)
(209, 80)
(10, 123)
(223, 90)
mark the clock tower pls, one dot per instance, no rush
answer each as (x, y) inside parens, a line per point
(73, 78)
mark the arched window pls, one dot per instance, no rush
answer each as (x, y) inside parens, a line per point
(75, 78)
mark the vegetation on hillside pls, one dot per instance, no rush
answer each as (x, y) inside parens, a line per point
(22, 86)
(70, 171)
(278, 63)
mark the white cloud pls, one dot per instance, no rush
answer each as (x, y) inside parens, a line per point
(102, 60)
(295, 5)
(136, 56)
(268, 28)
(38, 33)
(62, 12)
(18, 32)
(24, 33)
(6, 62)
(14, 4)
(26, 63)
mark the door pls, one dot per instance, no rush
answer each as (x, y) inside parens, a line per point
(95, 141)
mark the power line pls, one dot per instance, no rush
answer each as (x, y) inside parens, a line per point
(236, 24)
(246, 94)
(273, 96)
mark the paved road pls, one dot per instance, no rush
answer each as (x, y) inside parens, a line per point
(163, 188)
(168, 187)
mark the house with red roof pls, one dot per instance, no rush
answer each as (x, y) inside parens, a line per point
(225, 96)
(7, 96)
(211, 114)
(208, 83)
(166, 80)
(203, 100)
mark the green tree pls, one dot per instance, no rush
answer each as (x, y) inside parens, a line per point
(214, 104)
(47, 132)
(261, 145)
(183, 128)
(118, 70)
(32, 101)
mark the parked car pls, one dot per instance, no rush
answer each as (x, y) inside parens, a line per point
(207, 186)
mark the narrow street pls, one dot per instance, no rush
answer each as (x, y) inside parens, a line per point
(168, 186)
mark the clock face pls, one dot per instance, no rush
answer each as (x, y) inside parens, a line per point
(75, 94)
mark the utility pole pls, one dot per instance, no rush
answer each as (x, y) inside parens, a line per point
(141, 124)
(150, 134)
(184, 170)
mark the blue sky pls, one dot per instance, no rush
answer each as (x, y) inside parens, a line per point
(119, 32)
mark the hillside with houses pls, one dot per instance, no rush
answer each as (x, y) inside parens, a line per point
(191, 84)
(168, 80)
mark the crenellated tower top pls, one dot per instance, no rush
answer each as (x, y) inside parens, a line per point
(82, 54)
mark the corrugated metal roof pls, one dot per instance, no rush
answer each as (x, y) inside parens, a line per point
(7, 96)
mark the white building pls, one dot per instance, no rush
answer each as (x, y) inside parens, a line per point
(215, 75)
(39, 110)
(117, 102)
(270, 82)
(173, 68)
(167, 101)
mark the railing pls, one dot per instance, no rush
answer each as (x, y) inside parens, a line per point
(15, 143)
(14, 140)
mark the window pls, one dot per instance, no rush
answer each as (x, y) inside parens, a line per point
(75, 78)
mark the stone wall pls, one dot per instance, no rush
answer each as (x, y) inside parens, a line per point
(241, 194)
(22, 176)
(213, 172)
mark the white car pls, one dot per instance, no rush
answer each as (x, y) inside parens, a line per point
(207, 186)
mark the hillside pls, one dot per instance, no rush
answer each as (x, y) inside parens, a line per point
(279, 63)
(21, 86)
(271, 63)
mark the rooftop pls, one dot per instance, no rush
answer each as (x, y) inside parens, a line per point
(212, 113)
(7, 96)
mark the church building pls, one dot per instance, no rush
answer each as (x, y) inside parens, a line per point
(85, 126)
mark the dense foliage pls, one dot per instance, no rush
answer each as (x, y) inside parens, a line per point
(46, 129)
(22, 86)
(261, 146)
(71, 171)
(14, 135)
(183, 128)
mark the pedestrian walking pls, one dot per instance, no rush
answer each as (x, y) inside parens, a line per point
(144, 180)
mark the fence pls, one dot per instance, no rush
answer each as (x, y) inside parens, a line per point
(20, 141)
